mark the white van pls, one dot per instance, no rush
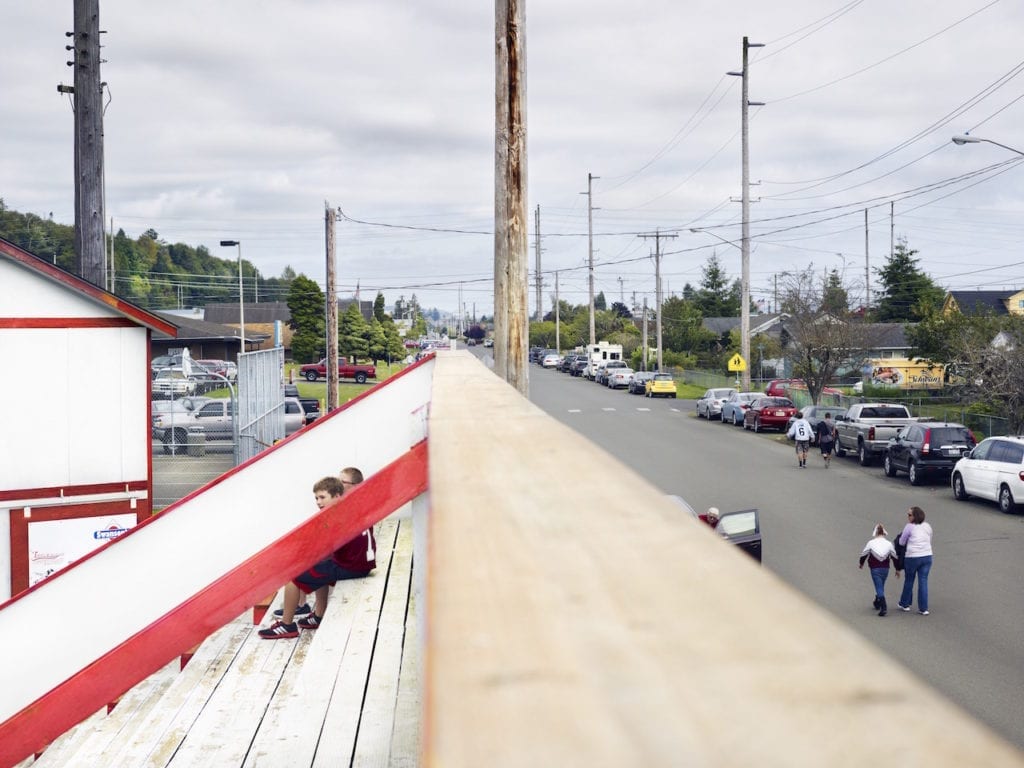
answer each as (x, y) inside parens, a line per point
(993, 470)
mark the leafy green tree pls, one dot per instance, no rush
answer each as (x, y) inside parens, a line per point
(352, 333)
(907, 292)
(475, 332)
(600, 303)
(621, 309)
(682, 328)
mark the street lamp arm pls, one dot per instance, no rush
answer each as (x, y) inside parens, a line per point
(966, 139)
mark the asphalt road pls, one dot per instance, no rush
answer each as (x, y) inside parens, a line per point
(815, 521)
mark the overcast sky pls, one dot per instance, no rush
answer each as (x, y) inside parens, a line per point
(241, 119)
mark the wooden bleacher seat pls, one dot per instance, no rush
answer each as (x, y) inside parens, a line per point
(346, 694)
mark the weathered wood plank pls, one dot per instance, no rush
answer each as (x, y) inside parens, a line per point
(159, 735)
(341, 723)
(91, 739)
(405, 736)
(291, 729)
(223, 730)
(377, 720)
(588, 623)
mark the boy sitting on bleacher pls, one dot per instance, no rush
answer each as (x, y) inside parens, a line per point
(353, 560)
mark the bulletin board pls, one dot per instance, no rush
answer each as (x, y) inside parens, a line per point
(51, 538)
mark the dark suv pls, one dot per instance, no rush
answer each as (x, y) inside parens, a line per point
(927, 448)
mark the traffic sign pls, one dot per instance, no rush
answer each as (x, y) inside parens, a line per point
(737, 363)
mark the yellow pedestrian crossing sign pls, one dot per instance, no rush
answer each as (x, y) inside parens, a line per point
(737, 363)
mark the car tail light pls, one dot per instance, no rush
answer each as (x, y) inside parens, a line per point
(871, 433)
(974, 440)
(926, 445)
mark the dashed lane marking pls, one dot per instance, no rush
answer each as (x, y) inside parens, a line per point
(643, 409)
(607, 409)
(575, 410)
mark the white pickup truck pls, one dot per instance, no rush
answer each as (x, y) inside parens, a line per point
(867, 427)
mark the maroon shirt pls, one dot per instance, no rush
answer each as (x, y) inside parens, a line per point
(358, 555)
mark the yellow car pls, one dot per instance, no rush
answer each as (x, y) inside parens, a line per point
(662, 385)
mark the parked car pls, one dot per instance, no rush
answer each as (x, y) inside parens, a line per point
(867, 427)
(346, 370)
(710, 403)
(535, 354)
(660, 385)
(927, 449)
(544, 354)
(619, 377)
(605, 367)
(173, 383)
(551, 360)
(742, 528)
(638, 385)
(579, 365)
(815, 413)
(768, 413)
(994, 470)
(736, 405)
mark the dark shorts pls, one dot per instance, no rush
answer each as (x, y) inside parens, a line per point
(324, 574)
(826, 446)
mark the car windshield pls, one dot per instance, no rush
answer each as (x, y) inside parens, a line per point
(662, 377)
(776, 402)
(719, 393)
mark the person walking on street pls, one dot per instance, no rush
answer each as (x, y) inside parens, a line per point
(917, 564)
(801, 432)
(826, 432)
(878, 553)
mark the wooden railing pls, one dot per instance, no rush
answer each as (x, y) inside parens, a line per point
(576, 618)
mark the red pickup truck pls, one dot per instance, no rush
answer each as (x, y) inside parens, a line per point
(358, 371)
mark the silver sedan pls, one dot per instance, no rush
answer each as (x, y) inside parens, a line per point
(710, 403)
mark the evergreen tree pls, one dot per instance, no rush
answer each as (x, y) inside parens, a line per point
(395, 345)
(834, 300)
(600, 302)
(717, 296)
(907, 292)
(377, 340)
(306, 305)
(378, 307)
(352, 333)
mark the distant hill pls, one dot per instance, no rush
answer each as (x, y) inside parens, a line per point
(148, 271)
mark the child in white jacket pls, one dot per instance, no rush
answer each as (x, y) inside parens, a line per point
(878, 553)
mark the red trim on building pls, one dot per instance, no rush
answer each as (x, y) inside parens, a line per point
(108, 677)
(73, 490)
(67, 322)
(78, 285)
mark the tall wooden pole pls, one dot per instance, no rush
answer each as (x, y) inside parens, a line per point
(511, 316)
(90, 248)
(332, 313)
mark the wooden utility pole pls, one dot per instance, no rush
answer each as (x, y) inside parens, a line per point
(90, 247)
(643, 362)
(511, 315)
(657, 285)
(539, 280)
(867, 266)
(590, 252)
(332, 312)
(558, 321)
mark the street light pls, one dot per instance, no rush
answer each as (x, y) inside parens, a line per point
(241, 297)
(966, 139)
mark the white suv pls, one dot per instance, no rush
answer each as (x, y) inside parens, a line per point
(994, 470)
